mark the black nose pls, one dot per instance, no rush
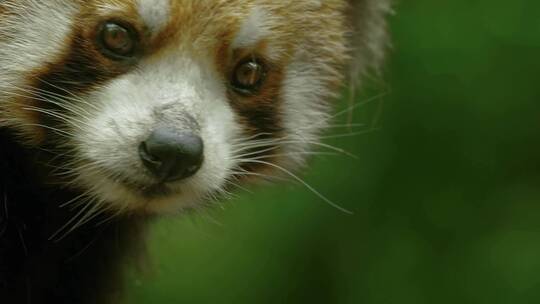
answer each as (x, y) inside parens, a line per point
(172, 156)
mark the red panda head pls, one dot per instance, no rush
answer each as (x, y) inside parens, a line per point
(160, 105)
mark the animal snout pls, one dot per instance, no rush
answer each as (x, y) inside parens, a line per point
(171, 155)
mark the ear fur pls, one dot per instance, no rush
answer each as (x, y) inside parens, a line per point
(369, 38)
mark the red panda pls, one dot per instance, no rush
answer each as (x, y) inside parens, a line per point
(115, 111)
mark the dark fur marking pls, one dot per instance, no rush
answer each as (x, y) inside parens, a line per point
(80, 268)
(78, 72)
(85, 265)
(261, 115)
(260, 112)
(75, 73)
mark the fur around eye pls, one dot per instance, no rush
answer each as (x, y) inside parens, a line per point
(117, 41)
(248, 76)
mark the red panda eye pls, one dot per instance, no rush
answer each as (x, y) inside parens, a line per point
(248, 76)
(117, 41)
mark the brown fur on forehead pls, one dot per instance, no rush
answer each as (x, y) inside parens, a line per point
(200, 25)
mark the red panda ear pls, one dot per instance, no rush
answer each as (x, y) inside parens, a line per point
(369, 34)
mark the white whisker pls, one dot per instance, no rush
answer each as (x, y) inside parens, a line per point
(301, 181)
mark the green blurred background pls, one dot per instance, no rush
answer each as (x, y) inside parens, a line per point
(446, 190)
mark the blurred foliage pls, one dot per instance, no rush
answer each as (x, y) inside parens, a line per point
(445, 190)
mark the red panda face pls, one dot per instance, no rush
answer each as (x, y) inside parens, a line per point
(160, 105)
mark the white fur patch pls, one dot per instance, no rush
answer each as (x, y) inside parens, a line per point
(155, 13)
(305, 110)
(34, 35)
(259, 26)
(253, 29)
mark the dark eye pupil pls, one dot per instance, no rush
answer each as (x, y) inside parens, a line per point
(248, 75)
(117, 39)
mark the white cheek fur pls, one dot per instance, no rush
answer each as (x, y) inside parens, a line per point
(35, 35)
(32, 36)
(305, 109)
